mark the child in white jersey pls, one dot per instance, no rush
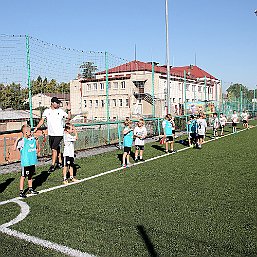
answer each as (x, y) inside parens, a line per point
(223, 121)
(245, 117)
(201, 129)
(215, 124)
(68, 152)
(234, 118)
(140, 134)
(28, 147)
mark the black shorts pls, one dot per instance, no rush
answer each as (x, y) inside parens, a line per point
(234, 124)
(28, 171)
(200, 136)
(193, 135)
(140, 147)
(55, 141)
(169, 139)
(245, 121)
(68, 161)
(127, 149)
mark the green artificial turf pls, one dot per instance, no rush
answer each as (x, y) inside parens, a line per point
(193, 203)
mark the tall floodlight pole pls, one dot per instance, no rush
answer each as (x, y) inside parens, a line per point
(167, 56)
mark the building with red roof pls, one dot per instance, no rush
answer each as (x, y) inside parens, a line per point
(134, 87)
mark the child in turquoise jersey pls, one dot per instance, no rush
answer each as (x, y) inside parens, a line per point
(28, 147)
(168, 135)
(192, 129)
(127, 142)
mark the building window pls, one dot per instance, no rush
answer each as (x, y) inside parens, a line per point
(102, 103)
(210, 90)
(90, 103)
(120, 102)
(114, 102)
(115, 85)
(109, 85)
(193, 88)
(123, 85)
(187, 87)
(88, 87)
(180, 86)
(95, 86)
(173, 100)
(96, 103)
(101, 86)
(199, 89)
(127, 102)
(180, 100)
(85, 103)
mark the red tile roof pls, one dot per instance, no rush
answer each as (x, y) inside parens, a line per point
(195, 71)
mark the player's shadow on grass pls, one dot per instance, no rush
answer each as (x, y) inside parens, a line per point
(158, 147)
(147, 241)
(5, 184)
(40, 179)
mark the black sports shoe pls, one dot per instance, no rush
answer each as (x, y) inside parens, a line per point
(142, 160)
(136, 160)
(51, 169)
(58, 166)
(33, 192)
(22, 195)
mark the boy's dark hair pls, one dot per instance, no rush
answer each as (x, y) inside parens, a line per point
(24, 126)
(215, 114)
(221, 113)
(67, 126)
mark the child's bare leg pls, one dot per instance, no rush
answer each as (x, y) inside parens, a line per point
(141, 154)
(167, 146)
(22, 179)
(64, 172)
(124, 158)
(71, 171)
(30, 181)
(128, 159)
(136, 154)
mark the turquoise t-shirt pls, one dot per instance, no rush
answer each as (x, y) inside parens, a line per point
(28, 152)
(192, 127)
(167, 127)
(128, 138)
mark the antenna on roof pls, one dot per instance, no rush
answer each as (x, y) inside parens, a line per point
(135, 52)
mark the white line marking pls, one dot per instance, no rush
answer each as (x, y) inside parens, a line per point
(35, 240)
(47, 244)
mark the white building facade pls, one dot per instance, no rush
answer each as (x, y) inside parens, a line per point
(138, 89)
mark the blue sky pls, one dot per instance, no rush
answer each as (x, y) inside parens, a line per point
(221, 33)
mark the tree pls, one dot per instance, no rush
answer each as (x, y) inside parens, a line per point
(87, 70)
(234, 91)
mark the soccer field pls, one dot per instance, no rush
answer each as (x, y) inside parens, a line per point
(192, 203)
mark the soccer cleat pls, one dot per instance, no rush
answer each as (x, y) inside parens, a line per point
(124, 165)
(142, 160)
(22, 195)
(129, 165)
(136, 160)
(33, 192)
(65, 182)
(51, 169)
(74, 180)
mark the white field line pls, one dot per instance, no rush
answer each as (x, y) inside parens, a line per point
(35, 240)
(60, 248)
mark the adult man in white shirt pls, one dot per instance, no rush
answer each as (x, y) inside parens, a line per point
(55, 124)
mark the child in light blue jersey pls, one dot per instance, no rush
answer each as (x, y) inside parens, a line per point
(127, 142)
(28, 147)
(167, 126)
(192, 131)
